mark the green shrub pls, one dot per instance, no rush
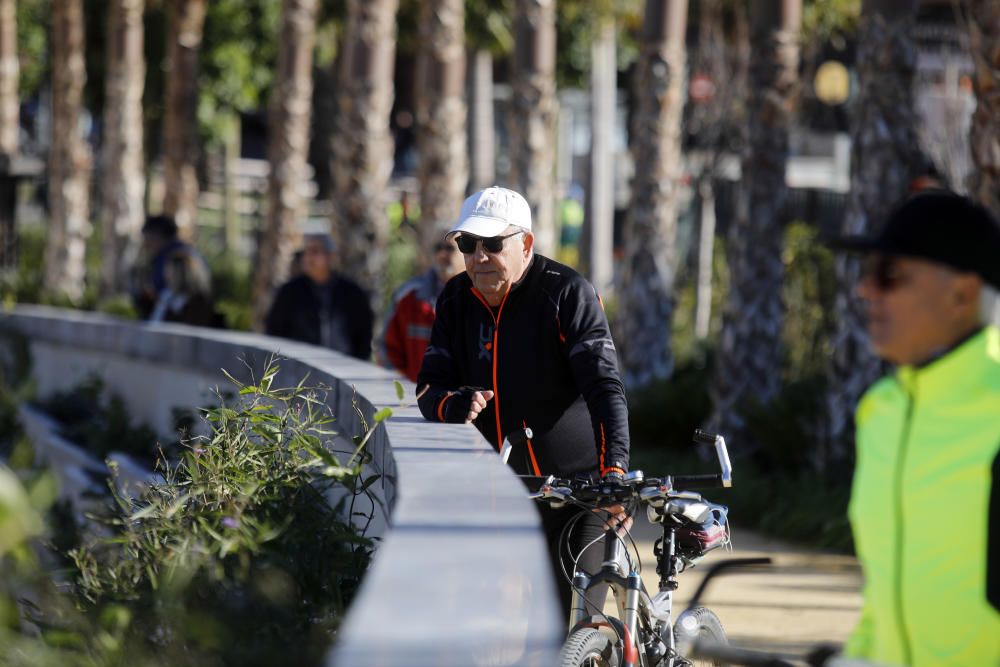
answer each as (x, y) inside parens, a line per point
(232, 288)
(236, 556)
(666, 413)
(98, 421)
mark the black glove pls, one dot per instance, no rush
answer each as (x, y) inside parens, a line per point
(456, 407)
(613, 476)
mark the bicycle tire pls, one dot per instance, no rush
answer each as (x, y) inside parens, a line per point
(589, 647)
(703, 624)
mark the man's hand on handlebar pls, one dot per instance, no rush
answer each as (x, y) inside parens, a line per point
(618, 519)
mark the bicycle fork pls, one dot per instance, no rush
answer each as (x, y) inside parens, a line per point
(619, 577)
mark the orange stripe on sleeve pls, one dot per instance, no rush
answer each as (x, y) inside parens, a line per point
(604, 446)
(440, 411)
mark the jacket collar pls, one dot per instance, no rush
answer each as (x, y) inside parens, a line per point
(962, 367)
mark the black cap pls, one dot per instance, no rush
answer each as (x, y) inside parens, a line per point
(940, 226)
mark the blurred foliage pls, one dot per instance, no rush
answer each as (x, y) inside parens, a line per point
(829, 20)
(808, 292)
(576, 23)
(32, 45)
(237, 557)
(663, 415)
(232, 286)
(239, 58)
(96, 419)
(787, 488)
(487, 25)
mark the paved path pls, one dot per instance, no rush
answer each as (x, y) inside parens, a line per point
(806, 597)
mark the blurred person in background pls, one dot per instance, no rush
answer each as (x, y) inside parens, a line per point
(187, 297)
(925, 501)
(322, 306)
(408, 325)
(159, 242)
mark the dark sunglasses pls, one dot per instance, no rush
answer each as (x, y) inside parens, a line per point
(444, 247)
(493, 245)
(883, 271)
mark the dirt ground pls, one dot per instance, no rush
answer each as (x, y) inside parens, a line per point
(804, 598)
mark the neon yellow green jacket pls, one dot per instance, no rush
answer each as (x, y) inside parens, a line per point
(925, 510)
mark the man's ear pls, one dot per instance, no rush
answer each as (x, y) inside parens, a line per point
(967, 289)
(529, 242)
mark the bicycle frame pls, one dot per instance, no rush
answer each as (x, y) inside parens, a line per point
(634, 603)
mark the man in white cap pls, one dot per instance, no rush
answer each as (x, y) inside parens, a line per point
(522, 341)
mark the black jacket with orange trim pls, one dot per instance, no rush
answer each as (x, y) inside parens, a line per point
(547, 354)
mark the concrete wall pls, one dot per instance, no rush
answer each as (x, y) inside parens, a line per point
(461, 576)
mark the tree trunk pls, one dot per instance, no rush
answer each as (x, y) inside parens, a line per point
(984, 135)
(186, 19)
(884, 150)
(69, 157)
(362, 145)
(603, 105)
(9, 71)
(9, 123)
(647, 292)
(706, 253)
(532, 115)
(443, 170)
(124, 170)
(482, 172)
(748, 366)
(291, 106)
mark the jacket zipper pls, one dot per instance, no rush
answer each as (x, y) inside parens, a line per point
(898, 575)
(496, 340)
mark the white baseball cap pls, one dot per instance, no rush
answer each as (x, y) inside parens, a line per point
(489, 212)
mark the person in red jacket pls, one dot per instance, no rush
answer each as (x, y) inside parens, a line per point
(408, 326)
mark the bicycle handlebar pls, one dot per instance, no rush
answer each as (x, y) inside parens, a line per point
(635, 485)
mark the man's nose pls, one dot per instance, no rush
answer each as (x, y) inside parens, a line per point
(480, 255)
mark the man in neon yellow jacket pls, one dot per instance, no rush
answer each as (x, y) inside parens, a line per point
(925, 504)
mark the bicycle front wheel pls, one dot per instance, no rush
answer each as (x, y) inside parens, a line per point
(699, 623)
(588, 647)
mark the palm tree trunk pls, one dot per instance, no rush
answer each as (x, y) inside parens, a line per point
(884, 151)
(69, 157)
(124, 172)
(362, 145)
(533, 113)
(180, 123)
(984, 135)
(9, 70)
(647, 292)
(748, 367)
(441, 112)
(291, 106)
(603, 105)
(482, 169)
(9, 112)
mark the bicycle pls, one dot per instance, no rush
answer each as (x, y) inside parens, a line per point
(645, 634)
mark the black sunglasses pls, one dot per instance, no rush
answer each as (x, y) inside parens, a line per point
(883, 271)
(493, 245)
